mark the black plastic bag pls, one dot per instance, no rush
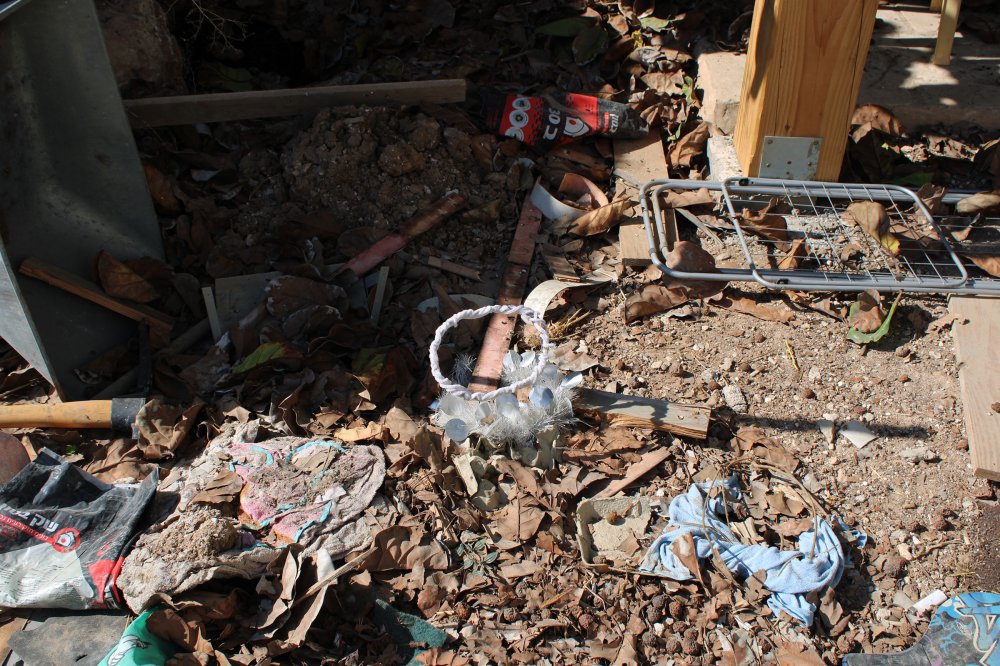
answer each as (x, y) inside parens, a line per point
(63, 535)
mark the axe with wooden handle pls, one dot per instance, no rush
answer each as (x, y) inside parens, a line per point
(116, 414)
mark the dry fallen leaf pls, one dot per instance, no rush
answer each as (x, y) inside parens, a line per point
(872, 218)
(983, 202)
(439, 657)
(989, 263)
(868, 316)
(600, 219)
(877, 117)
(754, 309)
(685, 551)
(689, 146)
(164, 428)
(120, 281)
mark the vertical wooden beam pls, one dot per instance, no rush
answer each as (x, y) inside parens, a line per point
(936, 5)
(496, 342)
(946, 32)
(802, 76)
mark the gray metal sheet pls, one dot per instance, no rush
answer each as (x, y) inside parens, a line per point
(70, 185)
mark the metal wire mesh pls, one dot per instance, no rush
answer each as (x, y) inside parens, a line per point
(798, 235)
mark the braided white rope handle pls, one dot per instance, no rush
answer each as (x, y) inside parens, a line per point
(529, 315)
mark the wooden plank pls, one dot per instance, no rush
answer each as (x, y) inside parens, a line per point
(639, 412)
(500, 330)
(560, 267)
(633, 246)
(978, 356)
(946, 32)
(636, 162)
(650, 461)
(219, 107)
(87, 290)
(452, 267)
(803, 71)
(640, 160)
(6, 631)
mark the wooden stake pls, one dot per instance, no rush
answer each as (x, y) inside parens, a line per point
(219, 107)
(383, 280)
(803, 71)
(213, 313)
(946, 32)
(496, 342)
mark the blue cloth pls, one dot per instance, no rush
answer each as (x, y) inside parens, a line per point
(790, 574)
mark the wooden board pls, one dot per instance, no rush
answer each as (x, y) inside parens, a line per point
(218, 107)
(978, 357)
(639, 412)
(803, 71)
(496, 342)
(640, 160)
(6, 631)
(636, 162)
(633, 246)
(159, 323)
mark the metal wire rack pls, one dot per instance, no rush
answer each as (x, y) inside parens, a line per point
(797, 235)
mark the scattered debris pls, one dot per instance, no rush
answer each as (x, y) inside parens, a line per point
(698, 528)
(916, 454)
(857, 434)
(64, 534)
(734, 398)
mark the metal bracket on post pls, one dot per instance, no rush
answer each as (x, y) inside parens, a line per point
(790, 157)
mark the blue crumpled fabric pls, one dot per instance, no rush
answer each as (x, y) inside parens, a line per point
(790, 574)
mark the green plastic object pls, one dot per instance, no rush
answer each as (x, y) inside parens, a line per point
(139, 647)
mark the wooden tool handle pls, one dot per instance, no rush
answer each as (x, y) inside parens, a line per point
(82, 414)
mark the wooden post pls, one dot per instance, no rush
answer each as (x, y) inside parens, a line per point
(946, 32)
(802, 76)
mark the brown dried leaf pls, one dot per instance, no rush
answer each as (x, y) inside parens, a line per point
(766, 224)
(686, 198)
(118, 459)
(753, 308)
(164, 428)
(628, 653)
(796, 253)
(162, 189)
(983, 202)
(684, 549)
(653, 298)
(223, 489)
(289, 294)
(120, 281)
(689, 146)
(872, 218)
(519, 520)
(990, 264)
(600, 219)
(877, 117)
(868, 316)
(406, 546)
(797, 654)
(439, 657)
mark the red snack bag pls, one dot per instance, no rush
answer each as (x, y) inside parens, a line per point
(546, 121)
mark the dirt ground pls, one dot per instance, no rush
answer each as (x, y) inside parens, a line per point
(506, 584)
